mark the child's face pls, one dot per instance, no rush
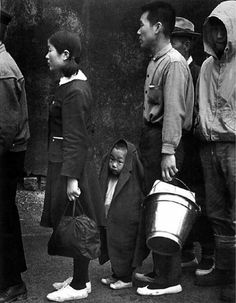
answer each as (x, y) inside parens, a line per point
(117, 161)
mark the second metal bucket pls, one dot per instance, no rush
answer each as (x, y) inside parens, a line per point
(170, 213)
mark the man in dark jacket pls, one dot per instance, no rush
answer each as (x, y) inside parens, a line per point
(183, 38)
(14, 133)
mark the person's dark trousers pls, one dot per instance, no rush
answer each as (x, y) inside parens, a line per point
(168, 268)
(12, 258)
(201, 232)
(192, 175)
(219, 165)
(80, 273)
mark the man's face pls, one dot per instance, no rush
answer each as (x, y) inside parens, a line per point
(178, 44)
(182, 45)
(146, 32)
(219, 37)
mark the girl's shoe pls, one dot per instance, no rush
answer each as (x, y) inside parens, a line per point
(59, 285)
(67, 294)
(108, 280)
(120, 285)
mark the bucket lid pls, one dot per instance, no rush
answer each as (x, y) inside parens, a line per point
(167, 188)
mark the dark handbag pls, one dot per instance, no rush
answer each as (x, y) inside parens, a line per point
(75, 236)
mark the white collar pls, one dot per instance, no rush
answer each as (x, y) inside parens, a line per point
(190, 60)
(78, 76)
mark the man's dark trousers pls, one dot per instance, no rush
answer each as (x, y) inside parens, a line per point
(12, 259)
(167, 268)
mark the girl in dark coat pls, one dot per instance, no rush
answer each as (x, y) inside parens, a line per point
(71, 170)
(121, 183)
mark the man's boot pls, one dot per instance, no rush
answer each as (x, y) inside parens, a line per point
(225, 258)
(223, 274)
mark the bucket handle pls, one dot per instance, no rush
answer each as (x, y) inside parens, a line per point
(177, 179)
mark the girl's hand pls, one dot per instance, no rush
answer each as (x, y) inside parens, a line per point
(73, 190)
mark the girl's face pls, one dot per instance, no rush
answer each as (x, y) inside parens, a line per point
(55, 60)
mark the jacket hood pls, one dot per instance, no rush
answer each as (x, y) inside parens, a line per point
(226, 13)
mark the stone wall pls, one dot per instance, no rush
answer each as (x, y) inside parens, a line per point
(112, 60)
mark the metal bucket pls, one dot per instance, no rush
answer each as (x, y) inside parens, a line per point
(170, 212)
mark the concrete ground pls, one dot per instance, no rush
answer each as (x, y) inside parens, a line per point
(43, 269)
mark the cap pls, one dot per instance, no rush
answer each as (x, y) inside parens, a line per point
(184, 27)
(5, 17)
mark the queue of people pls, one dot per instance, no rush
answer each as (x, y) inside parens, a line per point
(188, 131)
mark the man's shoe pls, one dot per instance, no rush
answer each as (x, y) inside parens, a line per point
(161, 290)
(228, 293)
(205, 267)
(214, 278)
(148, 278)
(120, 285)
(67, 294)
(59, 285)
(192, 263)
(108, 280)
(13, 293)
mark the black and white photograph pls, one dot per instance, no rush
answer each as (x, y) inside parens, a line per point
(117, 151)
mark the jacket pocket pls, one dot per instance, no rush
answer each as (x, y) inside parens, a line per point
(155, 95)
(228, 116)
(55, 150)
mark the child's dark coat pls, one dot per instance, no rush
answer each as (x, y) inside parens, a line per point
(124, 213)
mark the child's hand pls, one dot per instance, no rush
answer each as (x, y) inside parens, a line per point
(73, 190)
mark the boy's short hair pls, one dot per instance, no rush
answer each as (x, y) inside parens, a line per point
(121, 145)
(163, 12)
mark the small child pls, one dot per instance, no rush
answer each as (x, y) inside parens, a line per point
(121, 184)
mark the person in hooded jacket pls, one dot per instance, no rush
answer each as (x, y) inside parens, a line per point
(121, 180)
(216, 127)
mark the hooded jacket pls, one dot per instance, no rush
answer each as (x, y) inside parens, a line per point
(216, 93)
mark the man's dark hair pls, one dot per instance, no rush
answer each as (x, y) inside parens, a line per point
(161, 12)
(5, 18)
(3, 28)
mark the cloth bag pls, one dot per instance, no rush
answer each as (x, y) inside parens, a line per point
(75, 236)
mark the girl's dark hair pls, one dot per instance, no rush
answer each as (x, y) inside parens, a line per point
(64, 40)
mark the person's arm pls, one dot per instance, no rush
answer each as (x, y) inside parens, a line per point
(9, 113)
(175, 88)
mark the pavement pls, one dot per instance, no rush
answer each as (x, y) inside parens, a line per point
(43, 269)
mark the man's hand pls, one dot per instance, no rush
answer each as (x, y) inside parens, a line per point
(168, 167)
(73, 190)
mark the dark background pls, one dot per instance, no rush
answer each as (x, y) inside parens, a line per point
(112, 60)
